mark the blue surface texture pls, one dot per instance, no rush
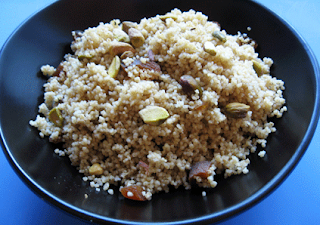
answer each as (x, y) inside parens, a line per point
(295, 201)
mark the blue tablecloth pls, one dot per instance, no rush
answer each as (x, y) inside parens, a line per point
(296, 201)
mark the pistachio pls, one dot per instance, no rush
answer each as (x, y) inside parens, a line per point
(56, 117)
(120, 35)
(126, 54)
(219, 35)
(114, 67)
(95, 169)
(118, 48)
(189, 84)
(210, 48)
(167, 16)
(237, 110)
(257, 67)
(154, 115)
(80, 57)
(126, 25)
(136, 37)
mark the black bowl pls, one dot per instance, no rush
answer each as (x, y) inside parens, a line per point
(46, 37)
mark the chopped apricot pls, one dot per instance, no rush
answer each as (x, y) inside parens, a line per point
(200, 169)
(133, 192)
(148, 65)
(202, 107)
(58, 70)
(151, 55)
(144, 165)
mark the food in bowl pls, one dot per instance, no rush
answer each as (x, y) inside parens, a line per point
(167, 102)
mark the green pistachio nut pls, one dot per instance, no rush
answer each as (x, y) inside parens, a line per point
(154, 115)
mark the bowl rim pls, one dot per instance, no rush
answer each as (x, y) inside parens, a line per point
(224, 214)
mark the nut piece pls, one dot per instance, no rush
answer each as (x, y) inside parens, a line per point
(126, 54)
(56, 117)
(136, 37)
(96, 169)
(133, 192)
(167, 16)
(200, 169)
(210, 48)
(237, 110)
(126, 25)
(257, 67)
(219, 35)
(80, 57)
(118, 48)
(114, 67)
(189, 84)
(154, 115)
(120, 35)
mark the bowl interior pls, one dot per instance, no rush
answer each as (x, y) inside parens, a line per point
(46, 37)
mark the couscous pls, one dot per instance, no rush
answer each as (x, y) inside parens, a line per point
(167, 102)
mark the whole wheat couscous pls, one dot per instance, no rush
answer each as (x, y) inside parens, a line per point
(167, 102)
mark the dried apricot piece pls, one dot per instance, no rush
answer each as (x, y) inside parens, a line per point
(151, 55)
(133, 192)
(202, 107)
(58, 70)
(200, 169)
(144, 165)
(150, 65)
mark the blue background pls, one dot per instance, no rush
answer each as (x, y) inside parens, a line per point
(296, 201)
